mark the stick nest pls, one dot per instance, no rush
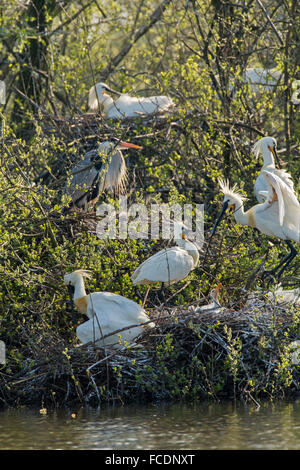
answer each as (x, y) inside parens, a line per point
(194, 352)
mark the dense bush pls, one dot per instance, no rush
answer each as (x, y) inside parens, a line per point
(196, 53)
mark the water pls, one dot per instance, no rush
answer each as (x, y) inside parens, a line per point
(170, 427)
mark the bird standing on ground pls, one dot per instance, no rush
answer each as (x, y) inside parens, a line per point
(168, 266)
(92, 175)
(126, 106)
(278, 216)
(107, 313)
(267, 146)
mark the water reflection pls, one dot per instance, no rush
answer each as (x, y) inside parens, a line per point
(204, 426)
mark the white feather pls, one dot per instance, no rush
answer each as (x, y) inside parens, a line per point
(169, 265)
(262, 146)
(127, 106)
(108, 313)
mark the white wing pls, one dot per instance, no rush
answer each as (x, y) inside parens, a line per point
(111, 312)
(289, 207)
(261, 184)
(128, 106)
(168, 266)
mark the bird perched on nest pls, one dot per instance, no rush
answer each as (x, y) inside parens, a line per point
(278, 216)
(282, 296)
(93, 174)
(267, 146)
(262, 79)
(107, 313)
(126, 106)
(294, 347)
(214, 306)
(169, 265)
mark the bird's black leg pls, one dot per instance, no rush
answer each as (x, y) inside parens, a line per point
(290, 258)
(283, 264)
(138, 293)
(161, 293)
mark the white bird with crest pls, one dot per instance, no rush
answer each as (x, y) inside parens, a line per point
(267, 146)
(126, 106)
(92, 175)
(169, 265)
(107, 314)
(278, 216)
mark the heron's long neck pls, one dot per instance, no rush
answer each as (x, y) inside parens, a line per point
(79, 289)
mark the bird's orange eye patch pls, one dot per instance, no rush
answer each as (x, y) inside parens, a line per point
(271, 149)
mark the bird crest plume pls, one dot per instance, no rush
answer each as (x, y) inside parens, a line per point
(257, 147)
(227, 191)
(84, 273)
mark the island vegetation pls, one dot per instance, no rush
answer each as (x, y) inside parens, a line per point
(198, 53)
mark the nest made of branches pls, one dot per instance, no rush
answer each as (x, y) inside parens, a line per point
(245, 350)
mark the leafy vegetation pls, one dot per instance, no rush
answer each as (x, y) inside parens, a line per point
(196, 52)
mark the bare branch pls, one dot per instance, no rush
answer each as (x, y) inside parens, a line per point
(270, 21)
(154, 18)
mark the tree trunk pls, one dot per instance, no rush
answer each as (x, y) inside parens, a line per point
(33, 77)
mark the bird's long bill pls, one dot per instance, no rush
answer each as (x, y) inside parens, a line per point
(111, 90)
(276, 158)
(71, 291)
(220, 217)
(129, 145)
(274, 152)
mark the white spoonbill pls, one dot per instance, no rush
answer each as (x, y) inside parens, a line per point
(107, 313)
(92, 175)
(278, 216)
(259, 78)
(168, 266)
(295, 349)
(126, 106)
(268, 147)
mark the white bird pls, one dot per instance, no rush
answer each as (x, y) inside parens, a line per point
(267, 146)
(278, 216)
(168, 266)
(107, 313)
(282, 296)
(259, 78)
(126, 106)
(214, 305)
(295, 349)
(93, 174)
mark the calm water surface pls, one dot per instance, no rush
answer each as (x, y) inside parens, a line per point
(169, 427)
